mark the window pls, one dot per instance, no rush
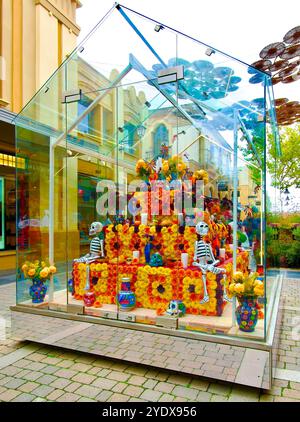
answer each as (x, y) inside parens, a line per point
(107, 126)
(161, 136)
(128, 141)
(87, 124)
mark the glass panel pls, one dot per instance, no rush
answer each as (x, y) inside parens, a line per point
(40, 198)
(92, 171)
(196, 146)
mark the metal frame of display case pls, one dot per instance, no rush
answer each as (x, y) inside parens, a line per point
(242, 360)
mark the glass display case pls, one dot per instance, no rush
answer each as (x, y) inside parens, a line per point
(143, 203)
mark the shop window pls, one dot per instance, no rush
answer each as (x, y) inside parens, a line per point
(11, 161)
(7, 213)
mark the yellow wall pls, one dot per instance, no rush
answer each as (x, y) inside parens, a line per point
(36, 36)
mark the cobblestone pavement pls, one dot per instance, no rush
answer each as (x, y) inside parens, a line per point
(54, 374)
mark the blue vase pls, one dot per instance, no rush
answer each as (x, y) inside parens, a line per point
(247, 314)
(126, 298)
(38, 291)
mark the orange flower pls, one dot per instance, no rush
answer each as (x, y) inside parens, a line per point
(31, 272)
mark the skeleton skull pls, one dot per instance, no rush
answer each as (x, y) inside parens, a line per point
(202, 228)
(95, 228)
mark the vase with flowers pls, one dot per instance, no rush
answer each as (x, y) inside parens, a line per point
(39, 272)
(247, 288)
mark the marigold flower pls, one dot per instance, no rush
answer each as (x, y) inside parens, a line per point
(31, 272)
(52, 269)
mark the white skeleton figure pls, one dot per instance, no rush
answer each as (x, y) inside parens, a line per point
(96, 250)
(202, 255)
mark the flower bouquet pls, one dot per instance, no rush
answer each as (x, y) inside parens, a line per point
(143, 169)
(39, 272)
(247, 288)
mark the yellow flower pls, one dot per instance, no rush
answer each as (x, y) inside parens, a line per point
(24, 267)
(238, 276)
(231, 288)
(31, 272)
(45, 272)
(52, 269)
(239, 288)
(258, 291)
(153, 230)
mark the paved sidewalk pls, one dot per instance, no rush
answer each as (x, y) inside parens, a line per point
(32, 372)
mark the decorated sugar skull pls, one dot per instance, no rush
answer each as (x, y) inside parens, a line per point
(95, 228)
(176, 308)
(202, 228)
(89, 299)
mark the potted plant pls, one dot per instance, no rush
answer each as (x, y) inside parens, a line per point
(39, 272)
(247, 289)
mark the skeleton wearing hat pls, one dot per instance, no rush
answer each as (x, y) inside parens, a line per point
(204, 257)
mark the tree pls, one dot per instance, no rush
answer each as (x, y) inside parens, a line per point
(285, 169)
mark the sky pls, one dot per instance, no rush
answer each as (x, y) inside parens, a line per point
(237, 27)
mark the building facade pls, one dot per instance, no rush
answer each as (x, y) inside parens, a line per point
(35, 37)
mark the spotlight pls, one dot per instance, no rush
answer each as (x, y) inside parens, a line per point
(47, 89)
(69, 152)
(209, 51)
(81, 49)
(121, 129)
(158, 27)
(147, 104)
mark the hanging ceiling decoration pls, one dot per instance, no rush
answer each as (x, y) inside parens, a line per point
(288, 112)
(281, 60)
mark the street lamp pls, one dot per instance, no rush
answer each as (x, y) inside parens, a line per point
(141, 130)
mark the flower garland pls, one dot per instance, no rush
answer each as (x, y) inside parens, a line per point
(153, 288)
(79, 279)
(190, 236)
(192, 293)
(169, 239)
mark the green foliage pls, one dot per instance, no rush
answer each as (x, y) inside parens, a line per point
(283, 219)
(285, 170)
(285, 251)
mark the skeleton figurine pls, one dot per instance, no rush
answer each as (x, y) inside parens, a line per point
(96, 250)
(204, 257)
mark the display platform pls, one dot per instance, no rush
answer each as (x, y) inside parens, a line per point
(235, 359)
(199, 323)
